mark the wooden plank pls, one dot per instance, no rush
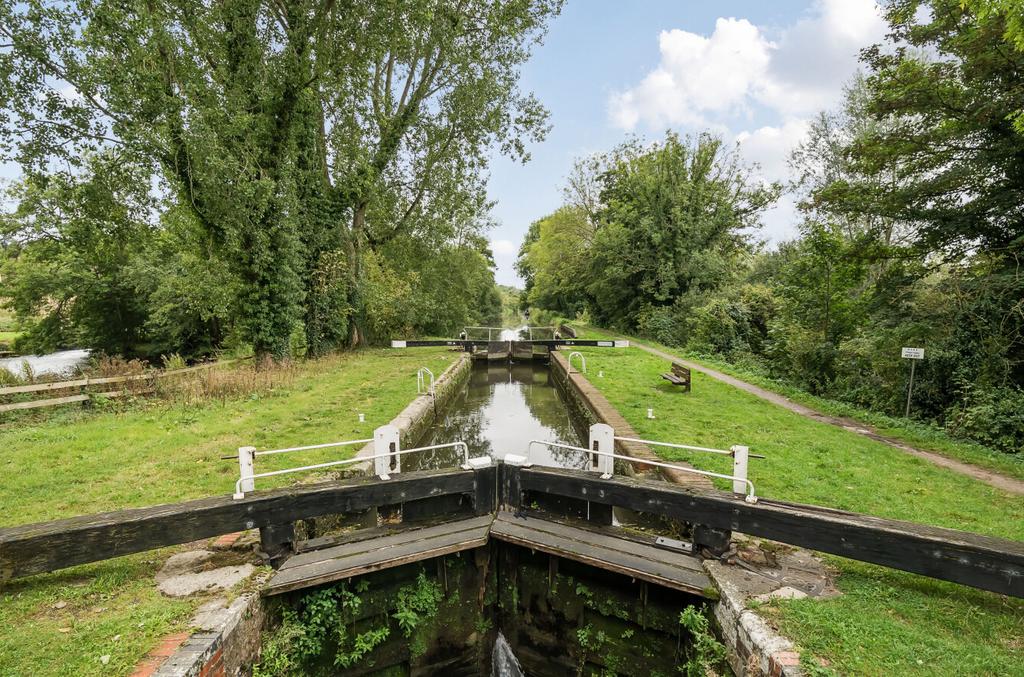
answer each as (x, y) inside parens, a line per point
(674, 379)
(36, 404)
(354, 559)
(681, 572)
(611, 538)
(47, 546)
(358, 546)
(971, 559)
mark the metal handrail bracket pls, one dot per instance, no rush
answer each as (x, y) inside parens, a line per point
(583, 361)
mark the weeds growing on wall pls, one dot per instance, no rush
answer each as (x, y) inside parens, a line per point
(323, 630)
(705, 655)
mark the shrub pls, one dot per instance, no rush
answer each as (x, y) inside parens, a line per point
(994, 417)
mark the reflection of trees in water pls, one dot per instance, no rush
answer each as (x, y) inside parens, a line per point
(464, 422)
(527, 393)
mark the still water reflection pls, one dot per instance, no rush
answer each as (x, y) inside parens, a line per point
(502, 408)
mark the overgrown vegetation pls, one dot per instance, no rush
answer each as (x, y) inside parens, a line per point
(912, 236)
(324, 630)
(705, 655)
(198, 175)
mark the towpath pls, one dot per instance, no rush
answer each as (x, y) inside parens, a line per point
(990, 477)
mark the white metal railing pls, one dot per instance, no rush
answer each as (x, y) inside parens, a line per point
(490, 331)
(602, 447)
(421, 382)
(583, 361)
(247, 456)
(740, 455)
(386, 459)
(675, 446)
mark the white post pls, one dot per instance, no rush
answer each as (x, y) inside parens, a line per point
(740, 455)
(602, 438)
(386, 440)
(247, 467)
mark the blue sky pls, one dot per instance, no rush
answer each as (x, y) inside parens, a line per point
(754, 72)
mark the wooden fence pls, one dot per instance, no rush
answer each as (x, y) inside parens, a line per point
(89, 382)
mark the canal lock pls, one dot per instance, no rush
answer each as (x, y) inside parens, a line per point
(499, 609)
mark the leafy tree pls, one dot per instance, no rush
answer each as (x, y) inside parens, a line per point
(1009, 12)
(558, 261)
(675, 219)
(291, 129)
(70, 242)
(946, 90)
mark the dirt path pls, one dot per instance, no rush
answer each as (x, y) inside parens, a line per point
(990, 477)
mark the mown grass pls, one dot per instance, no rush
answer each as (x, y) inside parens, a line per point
(886, 621)
(914, 433)
(155, 451)
(64, 623)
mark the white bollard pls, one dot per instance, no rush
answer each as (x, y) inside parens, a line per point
(602, 438)
(386, 440)
(247, 467)
(740, 454)
(650, 413)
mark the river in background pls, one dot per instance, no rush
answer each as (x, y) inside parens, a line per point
(60, 363)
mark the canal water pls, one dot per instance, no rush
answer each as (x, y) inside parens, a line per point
(502, 407)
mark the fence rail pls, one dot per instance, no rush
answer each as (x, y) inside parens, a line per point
(56, 386)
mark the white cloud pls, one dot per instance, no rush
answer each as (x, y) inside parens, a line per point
(696, 75)
(770, 146)
(505, 252)
(780, 222)
(718, 82)
(737, 67)
(818, 54)
(504, 247)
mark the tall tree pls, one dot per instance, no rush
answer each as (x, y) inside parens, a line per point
(947, 89)
(293, 129)
(675, 217)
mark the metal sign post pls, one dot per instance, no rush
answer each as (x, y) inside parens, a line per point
(912, 354)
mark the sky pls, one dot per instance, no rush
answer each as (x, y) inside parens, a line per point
(754, 72)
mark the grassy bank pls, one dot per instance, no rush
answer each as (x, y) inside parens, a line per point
(886, 621)
(154, 452)
(920, 435)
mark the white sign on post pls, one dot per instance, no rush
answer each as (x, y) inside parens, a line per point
(911, 354)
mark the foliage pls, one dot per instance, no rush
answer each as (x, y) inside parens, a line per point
(70, 246)
(316, 627)
(648, 231)
(416, 607)
(319, 630)
(556, 262)
(946, 87)
(704, 653)
(299, 137)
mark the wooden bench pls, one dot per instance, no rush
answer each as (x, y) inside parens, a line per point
(679, 376)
